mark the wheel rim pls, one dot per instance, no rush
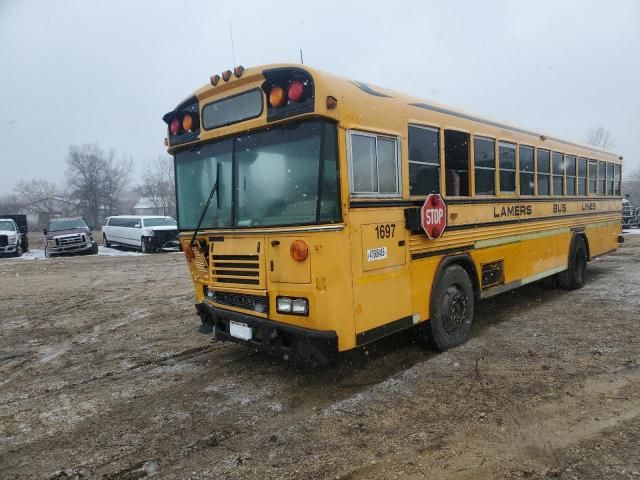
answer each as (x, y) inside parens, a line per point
(455, 309)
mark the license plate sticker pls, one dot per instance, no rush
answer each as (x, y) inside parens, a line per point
(374, 254)
(240, 330)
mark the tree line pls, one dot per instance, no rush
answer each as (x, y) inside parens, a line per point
(97, 184)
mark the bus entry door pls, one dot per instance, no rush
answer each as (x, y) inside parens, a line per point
(382, 289)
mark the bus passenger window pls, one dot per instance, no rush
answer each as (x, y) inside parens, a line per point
(593, 176)
(507, 156)
(602, 178)
(484, 157)
(456, 158)
(374, 165)
(582, 176)
(610, 179)
(526, 170)
(424, 160)
(617, 190)
(570, 165)
(543, 172)
(558, 174)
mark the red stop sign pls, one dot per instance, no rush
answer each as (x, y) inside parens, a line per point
(433, 216)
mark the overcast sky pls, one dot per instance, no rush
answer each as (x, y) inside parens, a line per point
(106, 71)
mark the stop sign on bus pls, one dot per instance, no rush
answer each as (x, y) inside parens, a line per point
(433, 216)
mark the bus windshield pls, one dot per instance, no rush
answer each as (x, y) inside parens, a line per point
(285, 175)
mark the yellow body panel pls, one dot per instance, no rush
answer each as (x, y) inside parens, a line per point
(371, 270)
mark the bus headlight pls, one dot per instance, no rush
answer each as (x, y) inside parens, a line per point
(291, 305)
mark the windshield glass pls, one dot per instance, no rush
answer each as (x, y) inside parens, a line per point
(6, 225)
(57, 225)
(159, 222)
(285, 175)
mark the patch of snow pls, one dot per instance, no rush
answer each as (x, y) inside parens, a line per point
(632, 231)
(38, 254)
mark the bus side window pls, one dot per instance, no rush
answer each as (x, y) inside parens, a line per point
(570, 165)
(424, 160)
(456, 158)
(543, 172)
(507, 157)
(374, 165)
(602, 178)
(526, 171)
(582, 176)
(610, 181)
(558, 173)
(593, 176)
(484, 160)
(617, 190)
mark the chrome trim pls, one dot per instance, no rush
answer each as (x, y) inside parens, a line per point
(319, 228)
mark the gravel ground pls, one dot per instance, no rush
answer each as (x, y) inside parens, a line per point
(103, 375)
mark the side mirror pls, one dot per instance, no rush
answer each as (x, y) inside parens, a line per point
(137, 225)
(45, 231)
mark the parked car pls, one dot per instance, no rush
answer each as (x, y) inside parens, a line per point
(10, 237)
(630, 214)
(148, 233)
(69, 235)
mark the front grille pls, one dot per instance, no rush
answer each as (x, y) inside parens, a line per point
(165, 236)
(254, 303)
(71, 240)
(239, 269)
(4, 240)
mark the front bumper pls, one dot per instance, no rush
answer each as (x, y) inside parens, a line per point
(269, 336)
(74, 248)
(9, 249)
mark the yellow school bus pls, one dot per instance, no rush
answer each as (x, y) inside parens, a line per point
(304, 204)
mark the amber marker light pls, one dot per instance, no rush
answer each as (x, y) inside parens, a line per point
(332, 102)
(299, 250)
(276, 96)
(215, 79)
(226, 75)
(187, 122)
(238, 71)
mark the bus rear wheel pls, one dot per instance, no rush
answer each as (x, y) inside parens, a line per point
(573, 277)
(452, 308)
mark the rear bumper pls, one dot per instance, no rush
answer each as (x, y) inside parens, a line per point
(271, 337)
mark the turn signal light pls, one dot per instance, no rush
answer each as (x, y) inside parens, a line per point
(296, 91)
(299, 250)
(187, 123)
(276, 96)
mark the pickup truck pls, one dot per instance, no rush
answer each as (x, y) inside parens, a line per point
(69, 235)
(10, 237)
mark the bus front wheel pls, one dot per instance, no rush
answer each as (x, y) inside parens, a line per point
(452, 308)
(573, 277)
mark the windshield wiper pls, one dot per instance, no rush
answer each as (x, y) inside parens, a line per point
(206, 207)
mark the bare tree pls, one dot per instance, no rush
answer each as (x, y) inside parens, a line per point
(600, 137)
(158, 185)
(96, 181)
(39, 196)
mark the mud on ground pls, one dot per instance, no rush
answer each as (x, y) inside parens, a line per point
(103, 375)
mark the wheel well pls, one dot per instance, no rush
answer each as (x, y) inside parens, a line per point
(465, 262)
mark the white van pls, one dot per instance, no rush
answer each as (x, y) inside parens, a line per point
(149, 233)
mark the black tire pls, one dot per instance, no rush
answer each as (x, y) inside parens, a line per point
(47, 253)
(452, 309)
(105, 242)
(18, 252)
(144, 245)
(573, 277)
(94, 248)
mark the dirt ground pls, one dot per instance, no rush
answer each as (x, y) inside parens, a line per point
(103, 375)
